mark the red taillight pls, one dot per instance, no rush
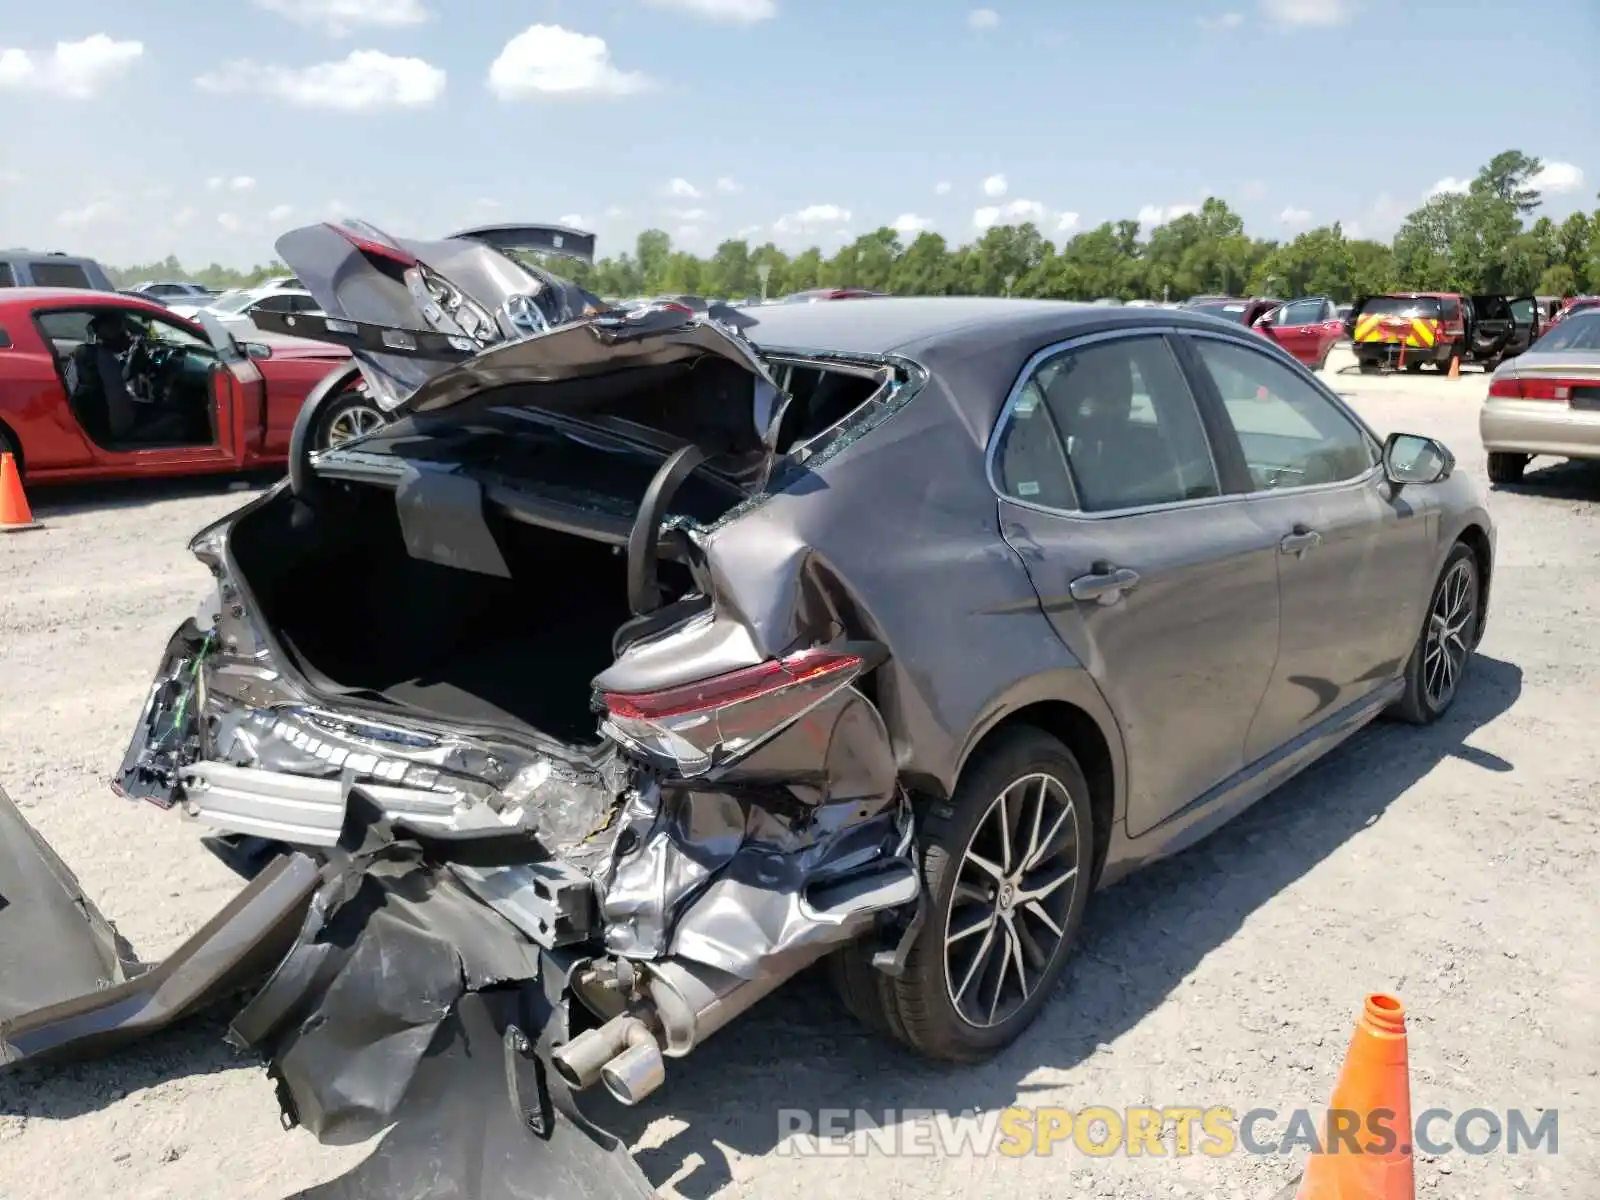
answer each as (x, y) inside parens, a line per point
(370, 245)
(1512, 388)
(711, 720)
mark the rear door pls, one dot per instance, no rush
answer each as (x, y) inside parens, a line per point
(1164, 588)
(1351, 556)
(1493, 326)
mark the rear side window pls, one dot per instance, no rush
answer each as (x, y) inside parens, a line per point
(59, 274)
(1401, 306)
(8, 278)
(1450, 309)
(5, 339)
(1123, 419)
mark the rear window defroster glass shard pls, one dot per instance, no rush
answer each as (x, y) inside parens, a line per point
(441, 518)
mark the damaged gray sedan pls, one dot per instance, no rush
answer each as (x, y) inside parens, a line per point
(648, 658)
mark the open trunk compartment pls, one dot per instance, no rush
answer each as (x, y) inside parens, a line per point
(479, 575)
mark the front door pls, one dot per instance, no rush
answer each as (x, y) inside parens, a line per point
(1163, 588)
(1351, 556)
(141, 388)
(1299, 327)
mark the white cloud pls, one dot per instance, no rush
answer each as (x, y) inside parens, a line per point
(1558, 177)
(735, 12)
(683, 189)
(230, 222)
(687, 233)
(812, 218)
(343, 17)
(281, 212)
(183, 217)
(1253, 189)
(215, 183)
(942, 188)
(573, 220)
(241, 183)
(96, 212)
(908, 225)
(615, 211)
(1152, 215)
(1227, 20)
(487, 203)
(1295, 216)
(364, 81)
(728, 187)
(995, 186)
(691, 214)
(1309, 14)
(1067, 222)
(982, 18)
(1448, 186)
(77, 70)
(547, 60)
(7, 178)
(1008, 214)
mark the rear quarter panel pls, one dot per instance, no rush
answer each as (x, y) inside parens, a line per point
(896, 538)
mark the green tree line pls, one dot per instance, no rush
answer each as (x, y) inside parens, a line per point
(1483, 240)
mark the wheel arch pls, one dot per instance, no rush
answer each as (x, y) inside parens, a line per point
(1088, 731)
(1476, 538)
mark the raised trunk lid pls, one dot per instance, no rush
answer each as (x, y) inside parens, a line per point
(541, 329)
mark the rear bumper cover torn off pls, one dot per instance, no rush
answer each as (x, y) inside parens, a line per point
(391, 998)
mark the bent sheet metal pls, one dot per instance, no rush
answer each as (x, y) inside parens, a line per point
(391, 998)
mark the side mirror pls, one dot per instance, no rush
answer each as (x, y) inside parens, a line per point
(257, 350)
(1412, 458)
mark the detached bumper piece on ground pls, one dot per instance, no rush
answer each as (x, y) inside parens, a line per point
(390, 996)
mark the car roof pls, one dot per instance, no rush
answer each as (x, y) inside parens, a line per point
(54, 295)
(974, 346)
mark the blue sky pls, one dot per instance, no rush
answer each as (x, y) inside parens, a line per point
(207, 129)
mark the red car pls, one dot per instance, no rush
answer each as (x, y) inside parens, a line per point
(1307, 328)
(98, 385)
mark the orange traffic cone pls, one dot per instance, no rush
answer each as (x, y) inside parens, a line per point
(1366, 1139)
(1455, 366)
(15, 515)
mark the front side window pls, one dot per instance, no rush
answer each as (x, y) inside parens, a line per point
(281, 303)
(1292, 435)
(1300, 312)
(1119, 417)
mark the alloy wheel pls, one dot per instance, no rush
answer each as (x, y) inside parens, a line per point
(355, 421)
(1013, 892)
(1445, 647)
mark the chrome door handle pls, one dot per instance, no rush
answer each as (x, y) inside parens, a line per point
(1104, 584)
(1301, 540)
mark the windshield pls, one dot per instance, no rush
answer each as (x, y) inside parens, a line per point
(1231, 310)
(234, 303)
(1401, 306)
(1580, 331)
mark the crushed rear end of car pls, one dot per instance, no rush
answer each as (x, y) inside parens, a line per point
(536, 776)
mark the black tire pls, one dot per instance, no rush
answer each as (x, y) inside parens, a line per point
(1422, 703)
(346, 414)
(1368, 366)
(920, 1007)
(1414, 365)
(9, 446)
(1506, 466)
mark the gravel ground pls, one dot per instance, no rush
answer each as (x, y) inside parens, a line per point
(1454, 866)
